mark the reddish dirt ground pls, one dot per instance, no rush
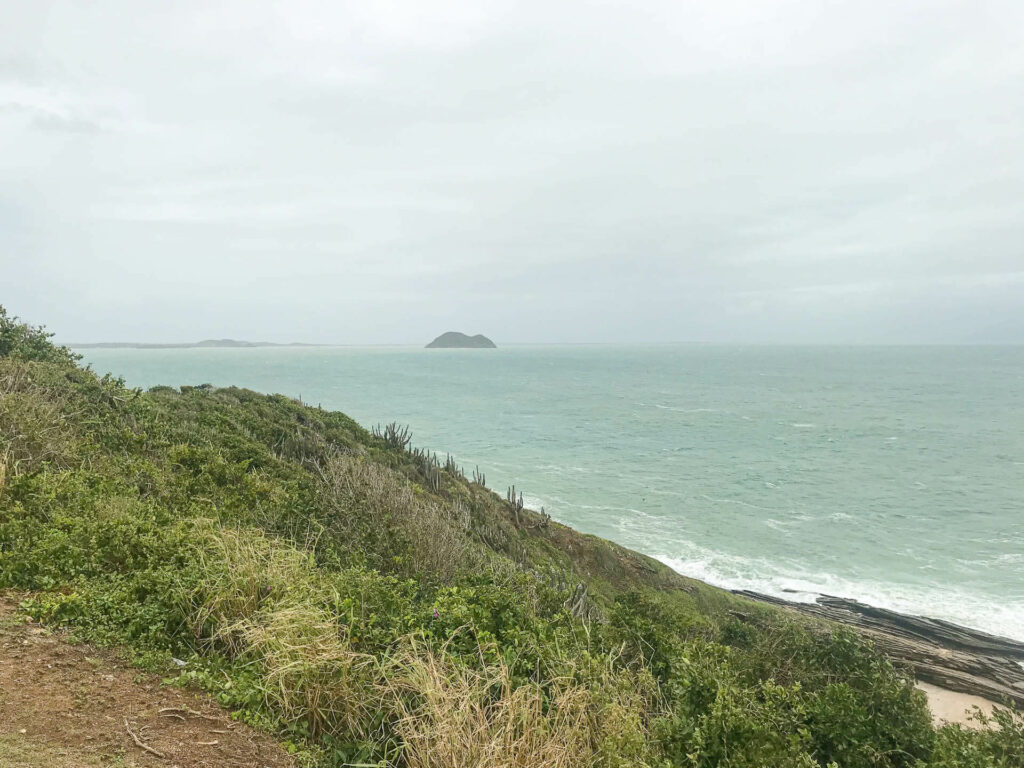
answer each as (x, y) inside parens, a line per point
(65, 706)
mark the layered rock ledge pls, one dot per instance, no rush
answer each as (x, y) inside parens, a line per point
(937, 652)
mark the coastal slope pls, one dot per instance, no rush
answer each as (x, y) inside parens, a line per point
(368, 602)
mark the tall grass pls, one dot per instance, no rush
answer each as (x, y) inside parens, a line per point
(451, 716)
(455, 717)
(310, 673)
(245, 574)
(262, 600)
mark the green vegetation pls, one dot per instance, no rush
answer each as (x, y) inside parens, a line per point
(372, 606)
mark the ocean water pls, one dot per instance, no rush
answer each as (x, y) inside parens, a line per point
(890, 475)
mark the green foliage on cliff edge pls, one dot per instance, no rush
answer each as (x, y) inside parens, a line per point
(329, 586)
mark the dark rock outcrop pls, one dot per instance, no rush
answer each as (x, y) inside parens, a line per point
(456, 340)
(936, 651)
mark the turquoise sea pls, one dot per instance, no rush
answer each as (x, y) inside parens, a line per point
(891, 475)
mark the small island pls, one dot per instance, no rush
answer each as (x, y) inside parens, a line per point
(456, 340)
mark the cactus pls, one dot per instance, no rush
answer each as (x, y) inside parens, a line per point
(429, 467)
(515, 502)
(394, 435)
(453, 469)
(479, 477)
(433, 475)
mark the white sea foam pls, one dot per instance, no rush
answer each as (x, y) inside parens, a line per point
(536, 503)
(551, 468)
(999, 617)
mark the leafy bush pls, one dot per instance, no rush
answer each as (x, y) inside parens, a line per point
(20, 341)
(998, 743)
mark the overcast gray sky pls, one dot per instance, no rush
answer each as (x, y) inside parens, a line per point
(379, 172)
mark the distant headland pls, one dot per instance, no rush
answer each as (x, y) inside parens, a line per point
(206, 343)
(456, 340)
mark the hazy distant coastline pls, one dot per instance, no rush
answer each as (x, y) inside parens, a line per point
(206, 343)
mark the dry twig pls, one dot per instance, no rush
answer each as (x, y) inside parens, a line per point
(176, 712)
(141, 744)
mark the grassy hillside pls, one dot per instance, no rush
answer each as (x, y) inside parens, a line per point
(371, 605)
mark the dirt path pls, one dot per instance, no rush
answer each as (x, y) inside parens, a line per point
(66, 706)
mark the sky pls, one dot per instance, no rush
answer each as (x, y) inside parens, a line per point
(380, 172)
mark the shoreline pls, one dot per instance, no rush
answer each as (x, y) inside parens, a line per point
(958, 664)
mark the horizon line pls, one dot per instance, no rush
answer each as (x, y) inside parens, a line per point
(243, 344)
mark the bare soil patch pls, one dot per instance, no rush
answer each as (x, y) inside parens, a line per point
(65, 706)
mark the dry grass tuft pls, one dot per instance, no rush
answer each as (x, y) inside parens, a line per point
(310, 674)
(454, 717)
(246, 574)
(262, 600)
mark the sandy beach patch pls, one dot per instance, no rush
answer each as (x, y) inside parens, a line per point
(952, 707)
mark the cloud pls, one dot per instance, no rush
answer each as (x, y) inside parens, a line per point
(539, 172)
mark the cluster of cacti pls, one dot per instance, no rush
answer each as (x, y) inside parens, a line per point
(304, 445)
(423, 456)
(429, 467)
(433, 476)
(515, 502)
(394, 435)
(400, 437)
(452, 468)
(519, 554)
(511, 498)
